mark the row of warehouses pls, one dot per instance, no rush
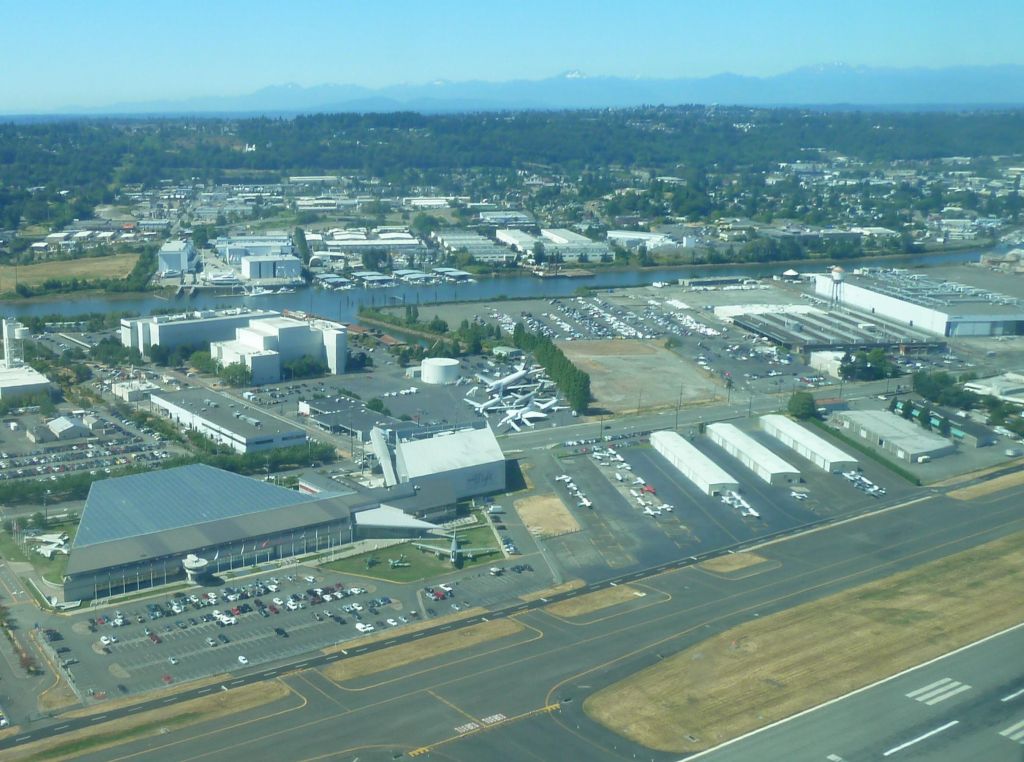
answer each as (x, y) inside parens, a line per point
(712, 479)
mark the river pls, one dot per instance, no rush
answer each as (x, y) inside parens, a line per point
(344, 306)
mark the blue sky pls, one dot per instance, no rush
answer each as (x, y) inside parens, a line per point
(55, 54)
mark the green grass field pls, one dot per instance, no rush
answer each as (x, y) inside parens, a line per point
(422, 563)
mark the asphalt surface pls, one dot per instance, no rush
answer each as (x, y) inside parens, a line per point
(967, 705)
(522, 696)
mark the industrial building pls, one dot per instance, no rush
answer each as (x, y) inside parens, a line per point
(477, 246)
(176, 257)
(805, 328)
(133, 390)
(763, 462)
(350, 417)
(807, 444)
(961, 428)
(264, 345)
(137, 531)
(707, 475)
(227, 422)
(61, 429)
(190, 329)
(16, 378)
(469, 460)
(234, 249)
(1008, 387)
(265, 266)
(942, 308)
(906, 440)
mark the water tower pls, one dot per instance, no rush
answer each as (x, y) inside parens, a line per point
(837, 285)
(14, 337)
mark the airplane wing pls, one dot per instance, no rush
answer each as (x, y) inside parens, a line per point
(431, 548)
(514, 425)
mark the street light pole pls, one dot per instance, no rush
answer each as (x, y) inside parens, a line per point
(46, 515)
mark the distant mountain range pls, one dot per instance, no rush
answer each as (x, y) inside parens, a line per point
(837, 86)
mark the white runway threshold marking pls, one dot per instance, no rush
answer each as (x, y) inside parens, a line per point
(920, 738)
(938, 691)
(1014, 732)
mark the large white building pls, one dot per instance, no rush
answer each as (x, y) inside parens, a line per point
(188, 328)
(266, 266)
(16, 378)
(1008, 387)
(765, 464)
(708, 476)
(263, 346)
(942, 308)
(807, 444)
(176, 257)
(226, 421)
(469, 461)
(890, 432)
(233, 249)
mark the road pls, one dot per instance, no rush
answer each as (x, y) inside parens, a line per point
(967, 705)
(523, 695)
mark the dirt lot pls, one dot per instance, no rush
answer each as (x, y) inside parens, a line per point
(116, 266)
(775, 666)
(436, 645)
(615, 365)
(591, 602)
(546, 516)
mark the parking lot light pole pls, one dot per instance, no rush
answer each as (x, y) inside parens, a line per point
(46, 515)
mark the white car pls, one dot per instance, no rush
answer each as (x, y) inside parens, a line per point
(242, 660)
(292, 606)
(278, 602)
(357, 607)
(364, 627)
(172, 660)
(106, 640)
(392, 623)
(327, 597)
(310, 579)
(446, 587)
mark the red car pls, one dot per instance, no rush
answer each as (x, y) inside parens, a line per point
(273, 609)
(154, 637)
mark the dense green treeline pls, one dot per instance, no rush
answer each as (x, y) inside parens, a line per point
(572, 382)
(90, 157)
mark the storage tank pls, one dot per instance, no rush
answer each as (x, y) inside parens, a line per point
(439, 370)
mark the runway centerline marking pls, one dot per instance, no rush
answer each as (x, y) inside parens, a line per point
(920, 738)
(1012, 696)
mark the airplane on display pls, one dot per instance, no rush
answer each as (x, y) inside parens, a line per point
(648, 511)
(455, 552)
(501, 384)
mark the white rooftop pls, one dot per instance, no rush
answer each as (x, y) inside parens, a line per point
(807, 438)
(896, 430)
(700, 465)
(449, 452)
(752, 448)
(389, 516)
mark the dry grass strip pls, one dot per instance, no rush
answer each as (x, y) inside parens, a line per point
(546, 516)
(573, 584)
(410, 653)
(582, 605)
(108, 734)
(998, 484)
(776, 666)
(731, 562)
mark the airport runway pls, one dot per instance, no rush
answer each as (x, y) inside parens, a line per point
(968, 705)
(522, 696)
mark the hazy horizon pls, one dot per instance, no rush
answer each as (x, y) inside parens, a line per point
(62, 56)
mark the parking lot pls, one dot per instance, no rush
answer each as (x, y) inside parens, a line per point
(251, 622)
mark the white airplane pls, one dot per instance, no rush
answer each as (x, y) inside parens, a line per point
(563, 478)
(585, 503)
(634, 493)
(499, 385)
(648, 511)
(666, 507)
(638, 480)
(483, 407)
(455, 551)
(618, 476)
(748, 511)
